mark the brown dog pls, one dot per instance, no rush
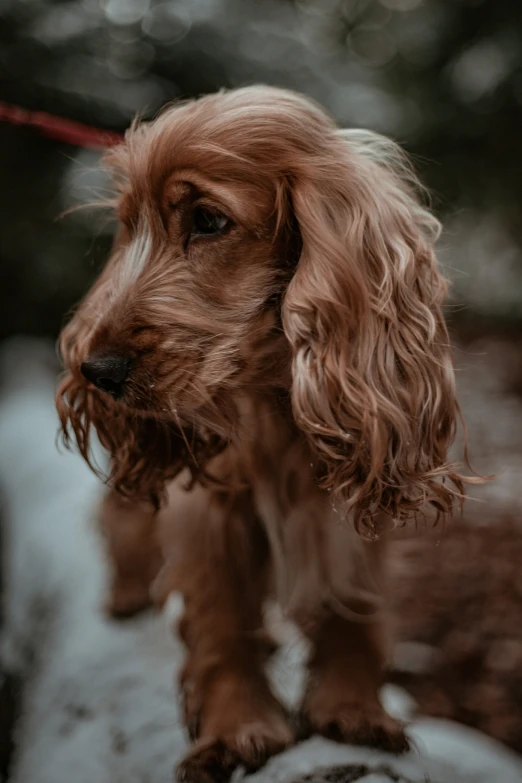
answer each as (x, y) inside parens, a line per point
(266, 350)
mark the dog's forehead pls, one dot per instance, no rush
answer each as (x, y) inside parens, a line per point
(179, 140)
(171, 161)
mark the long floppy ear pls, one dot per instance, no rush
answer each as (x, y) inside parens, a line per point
(373, 380)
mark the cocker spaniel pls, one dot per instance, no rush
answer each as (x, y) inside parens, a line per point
(265, 359)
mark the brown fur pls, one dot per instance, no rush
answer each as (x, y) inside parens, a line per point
(291, 382)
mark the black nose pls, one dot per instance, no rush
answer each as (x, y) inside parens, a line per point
(108, 373)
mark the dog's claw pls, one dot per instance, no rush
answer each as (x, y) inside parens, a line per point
(359, 726)
(214, 760)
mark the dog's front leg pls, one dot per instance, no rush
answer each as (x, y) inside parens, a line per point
(134, 554)
(345, 673)
(221, 570)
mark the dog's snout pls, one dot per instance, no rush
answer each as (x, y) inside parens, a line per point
(108, 373)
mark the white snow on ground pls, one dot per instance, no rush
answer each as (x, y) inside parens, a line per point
(99, 704)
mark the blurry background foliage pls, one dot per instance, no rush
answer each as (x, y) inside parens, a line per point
(443, 77)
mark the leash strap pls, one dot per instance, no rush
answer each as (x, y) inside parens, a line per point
(60, 128)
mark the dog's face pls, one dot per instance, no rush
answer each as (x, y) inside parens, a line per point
(188, 309)
(259, 246)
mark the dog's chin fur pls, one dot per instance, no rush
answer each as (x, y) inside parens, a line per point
(147, 450)
(297, 363)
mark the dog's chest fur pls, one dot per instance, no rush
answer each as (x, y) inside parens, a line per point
(318, 561)
(315, 553)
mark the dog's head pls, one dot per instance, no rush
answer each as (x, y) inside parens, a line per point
(260, 246)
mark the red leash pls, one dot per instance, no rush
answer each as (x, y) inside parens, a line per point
(60, 128)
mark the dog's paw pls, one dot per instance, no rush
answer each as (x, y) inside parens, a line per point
(214, 760)
(358, 724)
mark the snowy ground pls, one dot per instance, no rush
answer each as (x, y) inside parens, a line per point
(99, 704)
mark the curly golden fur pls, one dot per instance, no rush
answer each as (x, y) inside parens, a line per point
(275, 289)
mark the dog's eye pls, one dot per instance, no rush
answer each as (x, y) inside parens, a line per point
(205, 222)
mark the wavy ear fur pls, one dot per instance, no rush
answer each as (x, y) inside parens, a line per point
(373, 380)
